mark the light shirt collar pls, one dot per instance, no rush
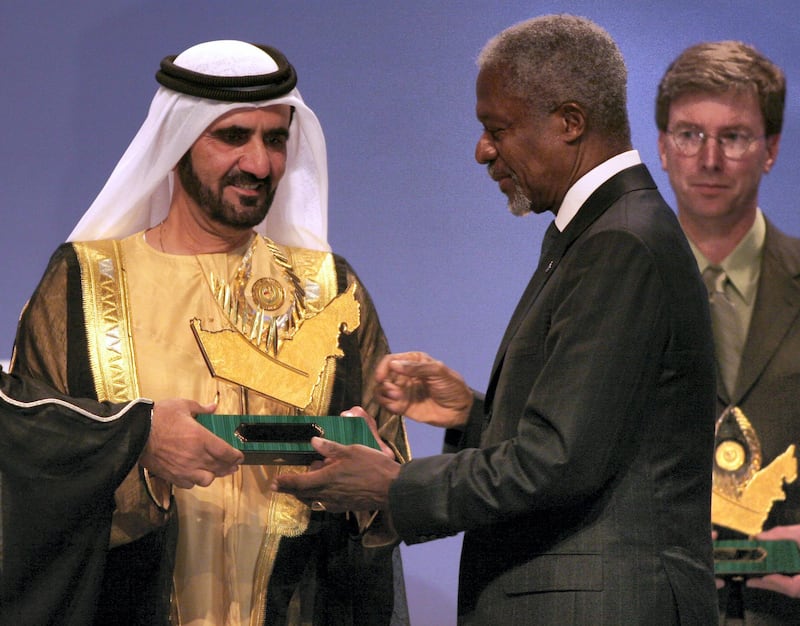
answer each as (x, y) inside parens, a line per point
(589, 182)
(743, 264)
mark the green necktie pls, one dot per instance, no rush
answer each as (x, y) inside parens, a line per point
(728, 336)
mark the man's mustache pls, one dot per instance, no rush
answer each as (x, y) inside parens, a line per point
(243, 179)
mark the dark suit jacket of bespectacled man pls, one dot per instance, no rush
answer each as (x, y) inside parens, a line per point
(581, 477)
(730, 91)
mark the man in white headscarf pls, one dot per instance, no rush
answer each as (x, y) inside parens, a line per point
(176, 284)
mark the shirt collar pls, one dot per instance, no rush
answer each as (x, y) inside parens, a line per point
(589, 182)
(743, 264)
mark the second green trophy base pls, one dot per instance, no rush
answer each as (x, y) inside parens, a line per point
(743, 557)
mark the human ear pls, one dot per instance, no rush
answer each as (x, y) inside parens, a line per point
(662, 149)
(573, 120)
(772, 144)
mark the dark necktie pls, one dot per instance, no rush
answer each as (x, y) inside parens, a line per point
(550, 236)
(728, 336)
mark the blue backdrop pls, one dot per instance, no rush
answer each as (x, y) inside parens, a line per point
(392, 84)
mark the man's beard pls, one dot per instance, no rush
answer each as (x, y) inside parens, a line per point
(518, 202)
(216, 207)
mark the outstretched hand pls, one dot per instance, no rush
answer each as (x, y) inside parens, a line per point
(424, 389)
(182, 451)
(350, 478)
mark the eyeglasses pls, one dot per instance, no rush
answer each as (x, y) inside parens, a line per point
(733, 143)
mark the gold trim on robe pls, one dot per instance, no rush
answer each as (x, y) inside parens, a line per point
(142, 501)
(138, 303)
(140, 315)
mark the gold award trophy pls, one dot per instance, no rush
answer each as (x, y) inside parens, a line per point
(742, 496)
(278, 344)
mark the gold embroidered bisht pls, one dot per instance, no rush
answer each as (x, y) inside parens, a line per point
(115, 319)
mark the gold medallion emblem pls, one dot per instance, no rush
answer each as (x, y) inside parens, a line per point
(268, 293)
(730, 455)
(743, 492)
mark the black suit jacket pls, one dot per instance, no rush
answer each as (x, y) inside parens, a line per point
(767, 392)
(584, 484)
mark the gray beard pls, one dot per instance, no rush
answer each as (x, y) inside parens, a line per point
(518, 203)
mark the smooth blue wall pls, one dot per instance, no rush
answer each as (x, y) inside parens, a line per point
(392, 84)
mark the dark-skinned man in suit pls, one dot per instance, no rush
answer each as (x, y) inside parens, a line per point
(581, 477)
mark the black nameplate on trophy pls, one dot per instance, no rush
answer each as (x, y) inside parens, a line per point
(286, 439)
(277, 433)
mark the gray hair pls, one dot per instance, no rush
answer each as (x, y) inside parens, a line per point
(553, 59)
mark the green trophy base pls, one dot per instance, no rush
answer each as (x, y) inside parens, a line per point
(285, 439)
(745, 558)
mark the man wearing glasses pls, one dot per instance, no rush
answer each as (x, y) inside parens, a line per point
(719, 113)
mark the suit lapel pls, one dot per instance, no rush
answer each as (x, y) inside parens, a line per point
(547, 263)
(777, 306)
(636, 177)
